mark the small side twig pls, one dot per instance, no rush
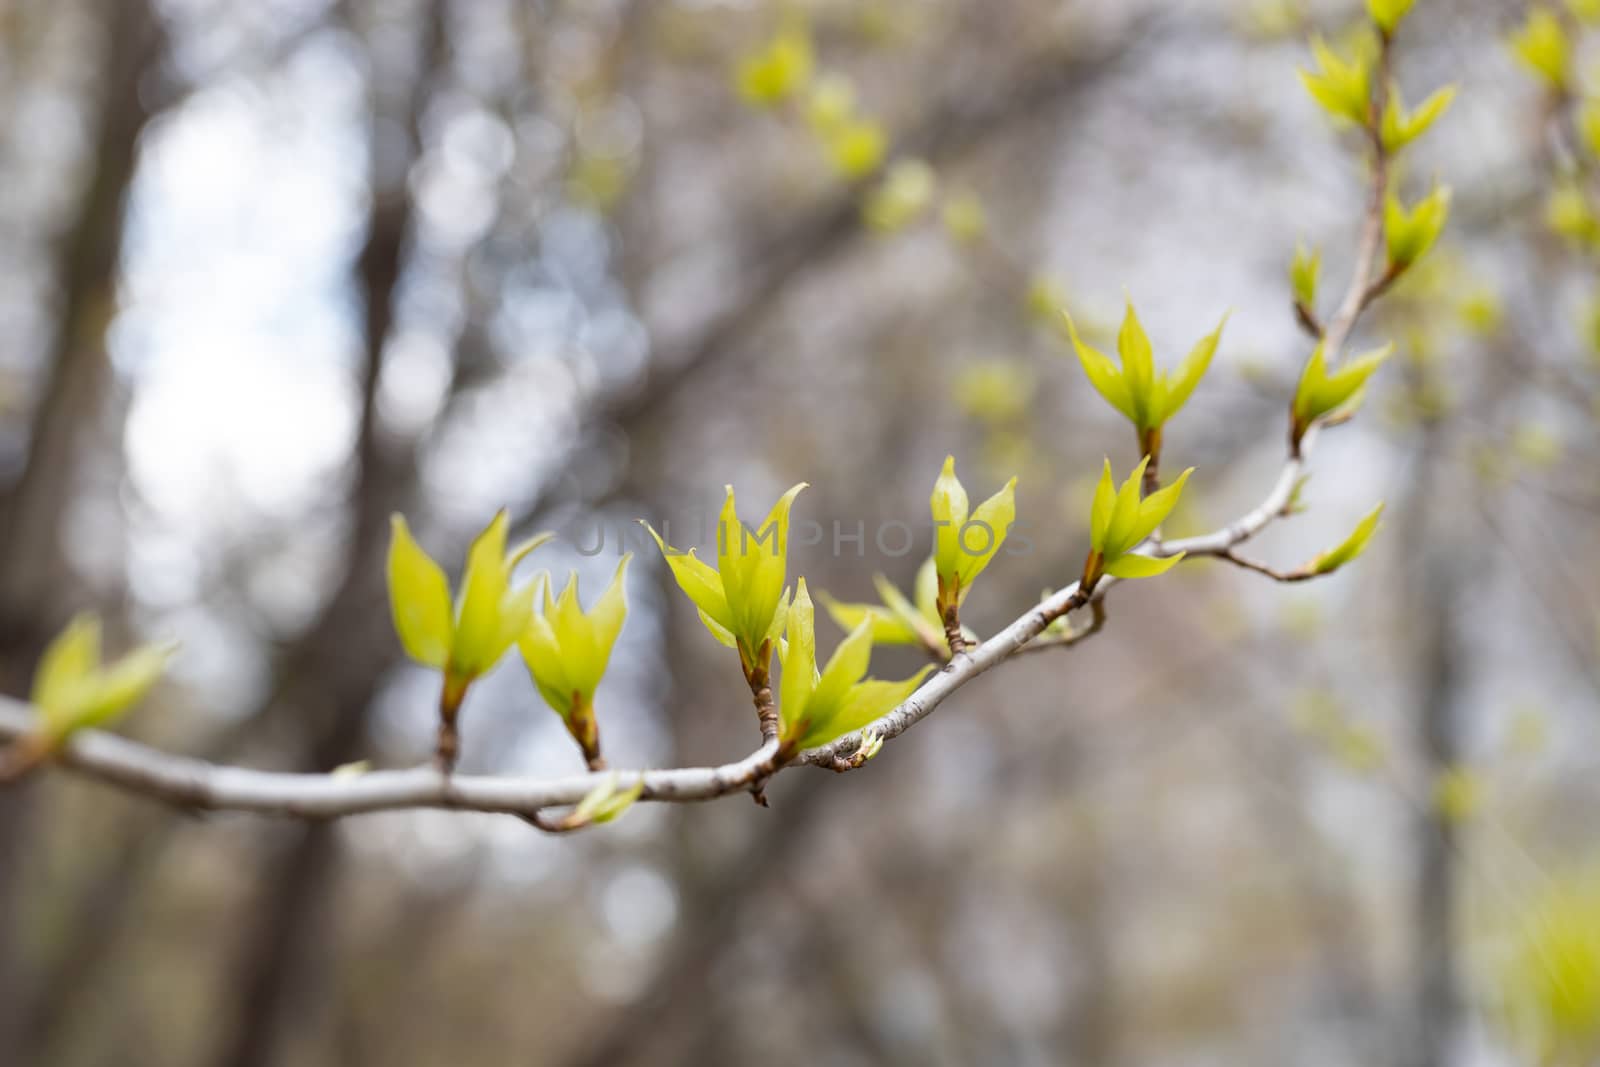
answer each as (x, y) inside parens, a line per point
(1097, 622)
(1308, 320)
(1300, 574)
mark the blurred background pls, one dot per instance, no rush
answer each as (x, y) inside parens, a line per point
(271, 271)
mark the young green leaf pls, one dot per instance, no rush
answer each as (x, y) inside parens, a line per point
(1350, 547)
(604, 803)
(814, 707)
(897, 620)
(419, 597)
(985, 531)
(799, 657)
(965, 543)
(948, 505)
(1145, 396)
(74, 691)
(566, 649)
(1103, 374)
(1543, 47)
(1410, 234)
(1401, 127)
(1304, 272)
(1341, 88)
(1175, 389)
(856, 148)
(778, 71)
(1321, 393)
(1388, 13)
(741, 600)
(1133, 565)
(1119, 521)
(466, 640)
(888, 627)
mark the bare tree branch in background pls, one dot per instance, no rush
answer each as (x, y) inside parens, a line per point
(281, 930)
(33, 508)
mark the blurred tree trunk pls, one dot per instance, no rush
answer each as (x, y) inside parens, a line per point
(1439, 577)
(32, 568)
(31, 510)
(284, 922)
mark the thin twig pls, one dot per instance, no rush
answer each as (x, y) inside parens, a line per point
(1301, 575)
(1050, 643)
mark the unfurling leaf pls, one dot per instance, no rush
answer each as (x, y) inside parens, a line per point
(419, 597)
(1401, 127)
(566, 650)
(74, 691)
(1568, 214)
(779, 71)
(1411, 233)
(1145, 396)
(1119, 521)
(1350, 547)
(871, 745)
(1541, 44)
(1304, 273)
(815, 706)
(897, 620)
(1320, 393)
(1134, 565)
(604, 803)
(465, 640)
(741, 600)
(856, 148)
(888, 628)
(1342, 88)
(964, 542)
(1388, 13)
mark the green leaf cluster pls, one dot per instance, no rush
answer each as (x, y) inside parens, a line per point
(1145, 396)
(1321, 392)
(779, 71)
(1542, 45)
(1402, 126)
(1341, 87)
(73, 690)
(965, 541)
(897, 620)
(816, 706)
(466, 639)
(742, 600)
(1410, 233)
(1119, 521)
(566, 649)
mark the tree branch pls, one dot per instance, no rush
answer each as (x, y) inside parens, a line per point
(203, 786)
